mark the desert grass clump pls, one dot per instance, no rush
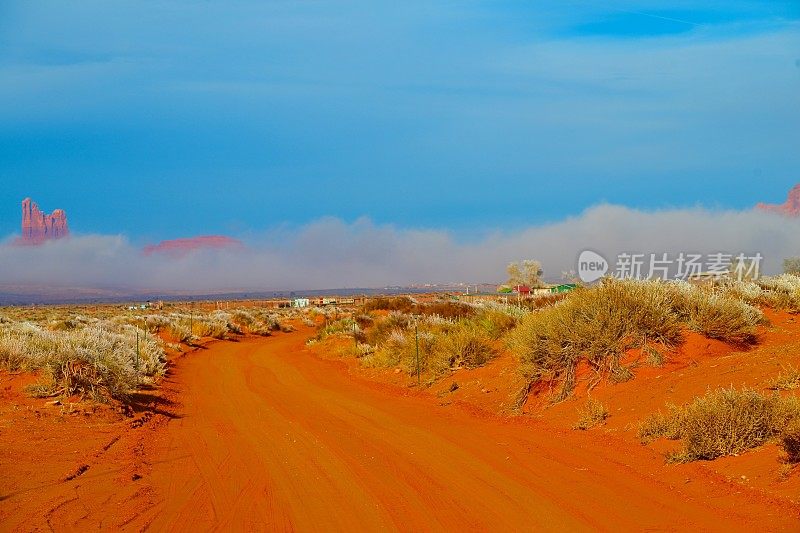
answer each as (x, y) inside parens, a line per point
(213, 327)
(591, 414)
(69, 323)
(433, 344)
(496, 322)
(598, 325)
(382, 328)
(790, 442)
(725, 319)
(179, 331)
(90, 361)
(542, 300)
(781, 292)
(395, 303)
(723, 422)
(343, 327)
(462, 345)
(241, 321)
(445, 309)
(788, 379)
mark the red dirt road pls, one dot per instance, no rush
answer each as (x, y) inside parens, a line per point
(268, 436)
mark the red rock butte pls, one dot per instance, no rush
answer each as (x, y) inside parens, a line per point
(182, 247)
(38, 227)
(789, 208)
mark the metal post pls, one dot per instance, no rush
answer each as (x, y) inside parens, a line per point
(416, 337)
(137, 348)
(355, 339)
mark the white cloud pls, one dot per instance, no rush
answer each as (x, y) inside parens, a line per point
(330, 253)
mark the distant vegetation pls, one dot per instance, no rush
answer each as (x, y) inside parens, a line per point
(427, 337)
(528, 272)
(551, 335)
(115, 351)
(792, 265)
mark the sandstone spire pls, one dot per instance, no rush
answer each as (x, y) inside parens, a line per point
(790, 208)
(38, 227)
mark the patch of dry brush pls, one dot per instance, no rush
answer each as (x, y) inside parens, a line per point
(600, 324)
(92, 361)
(727, 422)
(112, 353)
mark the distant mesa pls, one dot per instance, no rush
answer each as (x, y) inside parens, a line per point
(790, 208)
(38, 227)
(182, 247)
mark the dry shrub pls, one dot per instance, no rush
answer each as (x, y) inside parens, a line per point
(542, 300)
(180, 331)
(209, 327)
(342, 327)
(590, 414)
(781, 292)
(790, 442)
(659, 425)
(463, 345)
(445, 309)
(95, 361)
(437, 345)
(778, 292)
(406, 305)
(601, 323)
(598, 324)
(383, 327)
(788, 379)
(397, 303)
(725, 319)
(255, 323)
(723, 422)
(495, 322)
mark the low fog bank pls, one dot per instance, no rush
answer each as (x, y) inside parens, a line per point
(330, 253)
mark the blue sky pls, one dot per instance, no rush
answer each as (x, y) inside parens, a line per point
(164, 119)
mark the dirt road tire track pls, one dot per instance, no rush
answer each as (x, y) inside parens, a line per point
(264, 435)
(273, 437)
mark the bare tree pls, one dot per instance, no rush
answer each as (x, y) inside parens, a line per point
(792, 266)
(528, 272)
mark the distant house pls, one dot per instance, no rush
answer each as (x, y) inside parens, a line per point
(564, 287)
(522, 290)
(300, 302)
